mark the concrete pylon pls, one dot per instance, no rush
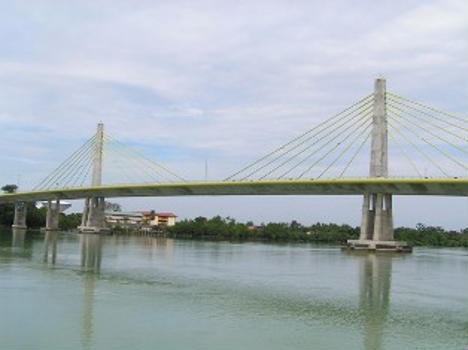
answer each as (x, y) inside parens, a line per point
(52, 217)
(97, 161)
(19, 220)
(377, 217)
(93, 219)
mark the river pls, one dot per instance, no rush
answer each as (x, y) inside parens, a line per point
(89, 291)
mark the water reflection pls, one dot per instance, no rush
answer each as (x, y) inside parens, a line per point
(374, 275)
(18, 237)
(50, 243)
(91, 255)
(158, 247)
(374, 290)
(91, 252)
(88, 306)
(271, 294)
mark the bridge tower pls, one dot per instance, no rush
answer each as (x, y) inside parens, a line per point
(93, 219)
(377, 211)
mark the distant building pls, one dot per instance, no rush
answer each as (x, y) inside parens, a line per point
(139, 219)
(153, 218)
(123, 219)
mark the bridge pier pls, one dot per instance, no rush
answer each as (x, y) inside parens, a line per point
(53, 213)
(84, 217)
(93, 220)
(377, 209)
(383, 227)
(368, 216)
(19, 220)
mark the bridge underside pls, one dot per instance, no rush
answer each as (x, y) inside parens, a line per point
(431, 187)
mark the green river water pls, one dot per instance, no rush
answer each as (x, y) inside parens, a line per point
(64, 290)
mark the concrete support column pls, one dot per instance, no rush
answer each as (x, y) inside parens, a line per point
(93, 219)
(19, 220)
(379, 221)
(84, 218)
(96, 212)
(383, 221)
(368, 213)
(388, 233)
(52, 218)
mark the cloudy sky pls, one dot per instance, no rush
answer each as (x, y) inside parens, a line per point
(222, 81)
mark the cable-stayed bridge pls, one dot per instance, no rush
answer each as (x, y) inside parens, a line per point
(427, 148)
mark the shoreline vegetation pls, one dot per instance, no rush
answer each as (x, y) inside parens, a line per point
(218, 228)
(228, 229)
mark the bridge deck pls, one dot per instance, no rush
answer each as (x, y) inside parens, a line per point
(400, 186)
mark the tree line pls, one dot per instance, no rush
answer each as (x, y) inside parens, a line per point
(218, 228)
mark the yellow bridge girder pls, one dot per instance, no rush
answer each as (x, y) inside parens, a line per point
(356, 186)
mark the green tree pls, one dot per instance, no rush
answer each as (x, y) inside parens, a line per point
(10, 188)
(228, 229)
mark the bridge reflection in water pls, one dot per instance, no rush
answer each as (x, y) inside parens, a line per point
(374, 296)
(18, 235)
(375, 272)
(91, 255)
(50, 246)
(91, 252)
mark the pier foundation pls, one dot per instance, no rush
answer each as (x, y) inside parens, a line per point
(52, 218)
(93, 220)
(19, 220)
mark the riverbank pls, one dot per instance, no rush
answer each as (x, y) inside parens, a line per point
(227, 229)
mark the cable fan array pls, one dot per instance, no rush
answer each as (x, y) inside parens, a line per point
(123, 163)
(328, 148)
(120, 164)
(432, 141)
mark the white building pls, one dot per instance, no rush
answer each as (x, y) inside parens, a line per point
(140, 218)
